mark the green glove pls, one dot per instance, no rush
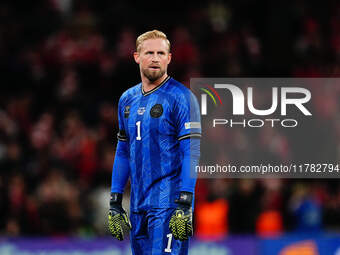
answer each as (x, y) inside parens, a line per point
(118, 219)
(181, 221)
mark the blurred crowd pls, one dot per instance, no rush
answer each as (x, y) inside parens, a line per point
(64, 64)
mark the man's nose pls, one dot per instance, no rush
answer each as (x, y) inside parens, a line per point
(155, 58)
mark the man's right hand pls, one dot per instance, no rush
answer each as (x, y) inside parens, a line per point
(118, 219)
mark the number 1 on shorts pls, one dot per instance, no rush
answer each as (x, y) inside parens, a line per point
(168, 247)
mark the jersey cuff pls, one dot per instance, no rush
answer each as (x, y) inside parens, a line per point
(121, 136)
(192, 135)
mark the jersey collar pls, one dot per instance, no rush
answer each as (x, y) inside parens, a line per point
(155, 88)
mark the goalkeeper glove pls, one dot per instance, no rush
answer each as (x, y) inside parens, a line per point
(118, 219)
(181, 221)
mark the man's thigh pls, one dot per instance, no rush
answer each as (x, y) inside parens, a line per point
(150, 234)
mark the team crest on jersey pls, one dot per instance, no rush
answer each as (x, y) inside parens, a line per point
(156, 111)
(141, 110)
(127, 111)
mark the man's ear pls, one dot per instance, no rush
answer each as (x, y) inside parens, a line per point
(169, 58)
(136, 57)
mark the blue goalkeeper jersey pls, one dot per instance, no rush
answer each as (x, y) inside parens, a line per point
(153, 123)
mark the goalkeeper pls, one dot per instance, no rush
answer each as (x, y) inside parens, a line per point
(158, 148)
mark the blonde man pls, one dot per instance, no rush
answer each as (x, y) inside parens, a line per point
(159, 123)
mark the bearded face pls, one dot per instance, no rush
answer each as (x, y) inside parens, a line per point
(153, 72)
(153, 58)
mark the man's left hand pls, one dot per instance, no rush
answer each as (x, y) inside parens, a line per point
(181, 221)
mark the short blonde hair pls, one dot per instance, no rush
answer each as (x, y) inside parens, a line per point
(154, 34)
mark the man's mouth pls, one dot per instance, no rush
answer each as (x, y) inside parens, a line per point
(154, 67)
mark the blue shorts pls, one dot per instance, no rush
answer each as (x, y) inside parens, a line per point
(150, 234)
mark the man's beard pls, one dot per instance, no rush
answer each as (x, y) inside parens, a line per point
(153, 75)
